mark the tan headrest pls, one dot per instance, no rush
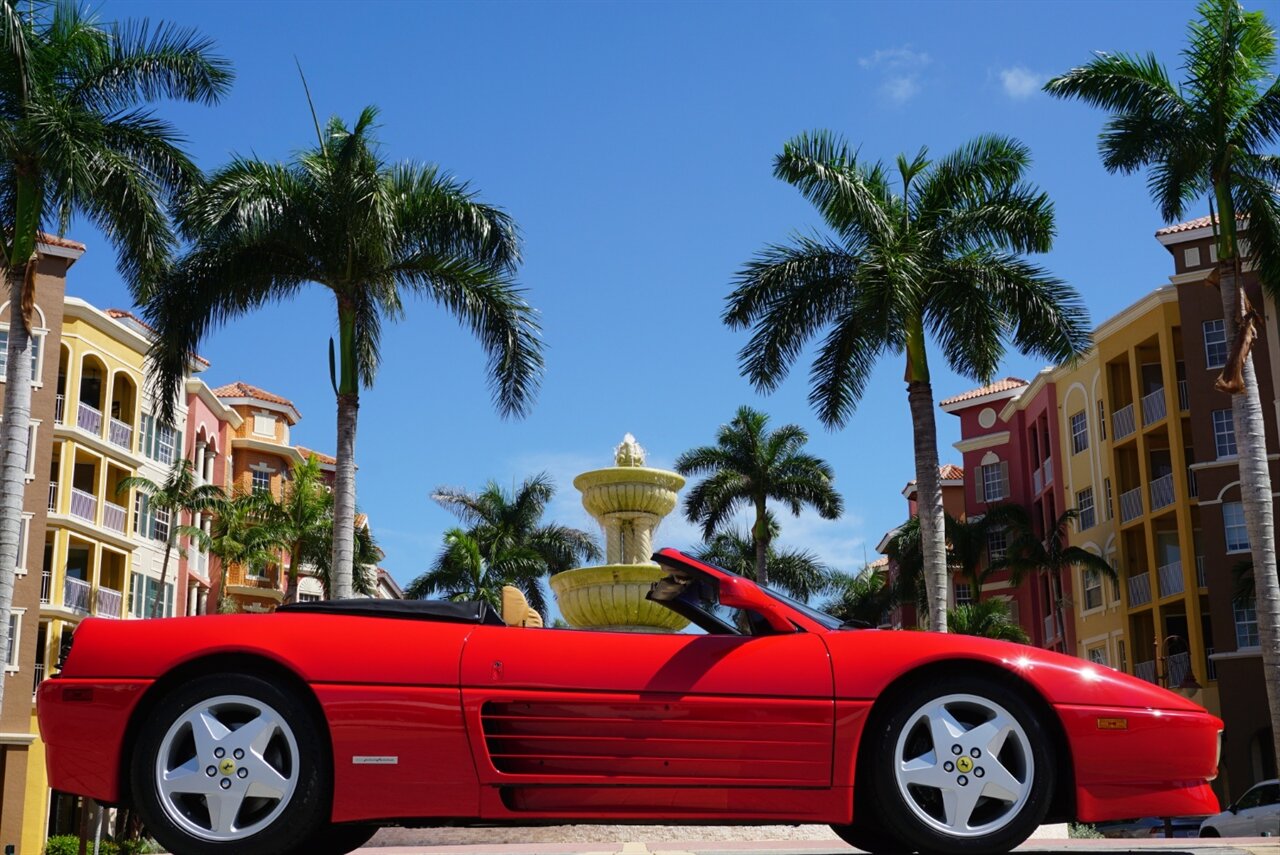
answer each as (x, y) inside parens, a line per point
(515, 609)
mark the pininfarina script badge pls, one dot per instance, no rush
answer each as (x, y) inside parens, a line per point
(374, 760)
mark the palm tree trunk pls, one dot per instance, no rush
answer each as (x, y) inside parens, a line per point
(761, 536)
(1255, 496)
(933, 544)
(1055, 579)
(344, 497)
(295, 567)
(164, 570)
(13, 440)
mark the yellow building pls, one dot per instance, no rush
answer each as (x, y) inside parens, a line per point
(1132, 392)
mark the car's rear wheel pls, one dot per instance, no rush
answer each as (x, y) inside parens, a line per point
(1209, 832)
(961, 765)
(231, 763)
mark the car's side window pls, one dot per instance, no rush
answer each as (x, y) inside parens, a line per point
(1251, 799)
(1270, 795)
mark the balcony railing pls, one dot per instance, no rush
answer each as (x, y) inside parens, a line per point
(1122, 424)
(1201, 580)
(1145, 670)
(1193, 490)
(59, 409)
(1184, 397)
(1139, 589)
(84, 505)
(46, 585)
(110, 602)
(1170, 576)
(37, 677)
(114, 517)
(75, 595)
(1050, 627)
(1048, 472)
(1153, 407)
(1131, 505)
(267, 579)
(89, 419)
(120, 433)
(53, 495)
(1037, 481)
(1176, 668)
(1210, 666)
(1162, 492)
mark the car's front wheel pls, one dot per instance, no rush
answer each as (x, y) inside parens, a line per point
(231, 763)
(961, 765)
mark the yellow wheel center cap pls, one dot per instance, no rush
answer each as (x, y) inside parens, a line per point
(965, 764)
(227, 766)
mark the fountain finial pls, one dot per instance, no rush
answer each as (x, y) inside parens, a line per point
(628, 452)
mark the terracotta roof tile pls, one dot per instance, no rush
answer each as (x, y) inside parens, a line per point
(55, 240)
(950, 472)
(319, 455)
(240, 389)
(124, 315)
(999, 386)
(1192, 225)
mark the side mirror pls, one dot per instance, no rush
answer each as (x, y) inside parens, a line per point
(1234, 809)
(738, 593)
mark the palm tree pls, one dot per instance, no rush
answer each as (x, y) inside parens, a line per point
(372, 234)
(76, 139)
(864, 598)
(244, 532)
(1213, 136)
(1028, 554)
(906, 553)
(365, 557)
(304, 512)
(967, 542)
(462, 572)
(179, 495)
(513, 541)
(747, 467)
(940, 256)
(797, 572)
(987, 618)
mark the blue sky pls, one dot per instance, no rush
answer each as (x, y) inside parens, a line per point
(633, 143)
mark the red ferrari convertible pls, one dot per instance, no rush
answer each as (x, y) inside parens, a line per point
(305, 730)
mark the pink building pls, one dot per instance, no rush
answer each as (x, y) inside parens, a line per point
(1009, 439)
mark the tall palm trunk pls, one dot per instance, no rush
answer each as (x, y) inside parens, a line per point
(13, 445)
(933, 543)
(164, 568)
(295, 567)
(347, 385)
(760, 534)
(1255, 495)
(1055, 582)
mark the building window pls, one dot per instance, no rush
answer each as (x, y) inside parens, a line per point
(264, 424)
(1191, 255)
(997, 544)
(24, 530)
(261, 481)
(11, 642)
(159, 441)
(37, 339)
(1246, 615)
(1084, 508)
(1237, 533)
(964, 593)
(1079, 432)
(143, 594)
(160, 526)
(1098, 655)
(1224, 433)
(995, 482)
(1110, 506)
(141, 514)
(308, 598)
(1102, 420)
(1215, 344)
(1092, 590)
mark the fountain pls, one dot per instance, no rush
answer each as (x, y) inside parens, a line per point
(628, 500)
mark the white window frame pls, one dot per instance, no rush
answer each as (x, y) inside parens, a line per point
(261, 417)
(1224, 434)
(166, 443)
(1234, 524)
(1211, 330)
(253, 481)
(1097, 655)
(994, 475)
(24, 537)
(1191, 256)
(1102, 420)
(1244, 614)
(1088, 516)
(1110, 509)
(965, 589)
(33, 437)
(13, 641)
(1091, 580)
(997, 535)
(1079, 432)
(161, 522)
(37, 353)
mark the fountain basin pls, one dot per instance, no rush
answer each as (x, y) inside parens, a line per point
(612, 597)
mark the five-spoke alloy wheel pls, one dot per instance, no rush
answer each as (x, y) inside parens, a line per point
(231, 763)
(961, 765)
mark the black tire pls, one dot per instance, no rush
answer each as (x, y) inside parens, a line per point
(305, 809)
(340, 839)
(1012, 822)
(1209, 832)
(869, 837)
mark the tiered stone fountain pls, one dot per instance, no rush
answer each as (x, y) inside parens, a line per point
(628, 500)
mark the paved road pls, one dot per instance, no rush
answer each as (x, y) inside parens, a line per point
(1234, 846)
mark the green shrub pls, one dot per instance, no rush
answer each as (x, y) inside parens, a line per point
(1079, 830)
(69, 844)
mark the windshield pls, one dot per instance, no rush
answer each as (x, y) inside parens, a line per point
(815, 615)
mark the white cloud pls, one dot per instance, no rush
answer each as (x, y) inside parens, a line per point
(899, 69)
(1021, 83)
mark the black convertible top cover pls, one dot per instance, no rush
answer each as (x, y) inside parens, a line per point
(441, 610)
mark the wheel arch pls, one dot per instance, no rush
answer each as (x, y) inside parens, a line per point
(238, 663)
(1063, 806)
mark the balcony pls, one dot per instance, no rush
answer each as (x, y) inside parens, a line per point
(1176, 668)
(84, 505)
(60, 409)
(1162, 492)
(1210, 667)
(1139, 589)
(53, 495)
(114, 517)
(1201, 580)
(1153, 407)
(89, 419)
(1170, 577)
(1184, 397)
(37, 677)
(1193, 491)
(1037, 482)
(110, 602)
(1048, 472)
(46, 585)
(1122, 424)
(75, 595)
(1050, 627)
(120, 433)
(1131, 505)
(1145, 670)
(265, 580)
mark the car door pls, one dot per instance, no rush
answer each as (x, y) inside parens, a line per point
(627, 709)
(1264, 816)
(1239, 822)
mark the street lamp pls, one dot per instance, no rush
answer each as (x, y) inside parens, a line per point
(1188, 683)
